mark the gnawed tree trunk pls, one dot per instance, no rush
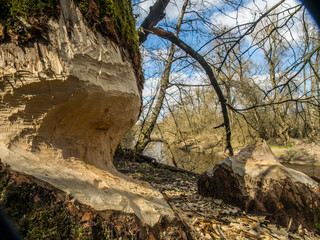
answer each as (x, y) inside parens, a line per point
(70, 90)
(255, 181)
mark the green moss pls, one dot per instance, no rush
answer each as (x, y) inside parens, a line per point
(119, 12)
(4, 181)
(45, 219)
(289, 146)
(99, 231)
(36, 212)
(145, 166)
(12, 10)
(28, 8)
(317, 224)
(148, 178)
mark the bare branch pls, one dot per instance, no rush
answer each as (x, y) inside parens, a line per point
(155, 15)
(200, 59)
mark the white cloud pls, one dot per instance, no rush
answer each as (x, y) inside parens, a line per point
(174, 7)
(291, 32)
(150, 87)
(248, 13)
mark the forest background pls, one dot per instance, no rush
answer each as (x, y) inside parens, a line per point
(232, 72)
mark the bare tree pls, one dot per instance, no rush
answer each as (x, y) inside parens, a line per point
(227, 58)
(149, 123)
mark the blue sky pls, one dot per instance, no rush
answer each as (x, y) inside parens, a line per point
(218, 16)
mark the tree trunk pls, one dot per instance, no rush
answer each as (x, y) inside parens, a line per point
(70, 90)
(148, 126)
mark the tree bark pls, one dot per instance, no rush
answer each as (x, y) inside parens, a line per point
(155, 15)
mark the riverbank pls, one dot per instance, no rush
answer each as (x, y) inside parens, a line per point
(301, 155)
(301, 152)
(208, 218)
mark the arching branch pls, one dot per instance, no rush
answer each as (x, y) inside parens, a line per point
(200, 59)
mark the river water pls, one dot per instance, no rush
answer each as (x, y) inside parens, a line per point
(200, 162)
